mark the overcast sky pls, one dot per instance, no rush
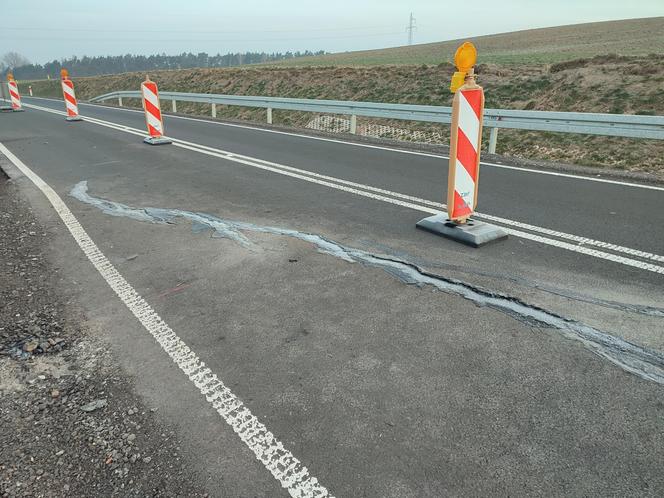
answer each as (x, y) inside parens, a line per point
(44, 30)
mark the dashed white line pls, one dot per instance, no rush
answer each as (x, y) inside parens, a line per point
(379, 147)
(411, 202)
(288, 470)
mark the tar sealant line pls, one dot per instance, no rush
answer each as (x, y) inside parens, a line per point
(646, 363)
(288, 470)
(580, 246)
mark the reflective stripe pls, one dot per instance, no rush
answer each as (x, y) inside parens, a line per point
(468, 121)
(464, 184)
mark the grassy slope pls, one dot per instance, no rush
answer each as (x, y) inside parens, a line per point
(547, 45)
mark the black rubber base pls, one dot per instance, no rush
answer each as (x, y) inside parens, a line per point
(157, 140)
(472, 233)
(77, 118)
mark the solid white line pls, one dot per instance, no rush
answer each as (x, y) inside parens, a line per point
(415, 203)
(517, 233)
(379, 147)
(287, 469)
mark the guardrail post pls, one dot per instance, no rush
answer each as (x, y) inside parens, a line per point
(214, 110)
(175, 106)
(493, 140)
(353, 124)
(120, 101)
(269, 115)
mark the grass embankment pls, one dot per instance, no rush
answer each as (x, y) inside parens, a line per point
(614, 84)
(534, 46)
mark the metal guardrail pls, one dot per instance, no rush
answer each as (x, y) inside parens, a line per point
(619, 125)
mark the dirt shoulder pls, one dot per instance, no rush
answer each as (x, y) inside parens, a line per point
(71, 423)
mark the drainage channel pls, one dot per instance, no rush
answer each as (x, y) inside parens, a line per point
(646, 363)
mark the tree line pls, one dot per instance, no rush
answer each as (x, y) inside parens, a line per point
(93, 66)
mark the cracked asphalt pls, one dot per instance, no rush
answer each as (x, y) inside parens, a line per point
(379, 387)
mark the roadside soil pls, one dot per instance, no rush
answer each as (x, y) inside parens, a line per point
(71, 423)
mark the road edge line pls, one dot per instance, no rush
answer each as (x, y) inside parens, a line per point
(283, 466)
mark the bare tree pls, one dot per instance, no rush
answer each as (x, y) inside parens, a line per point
(13, 60)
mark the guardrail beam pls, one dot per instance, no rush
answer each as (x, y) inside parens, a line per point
(619, 125)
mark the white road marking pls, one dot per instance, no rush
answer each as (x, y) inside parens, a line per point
(287, 469)
(410, 201)
(379, 147)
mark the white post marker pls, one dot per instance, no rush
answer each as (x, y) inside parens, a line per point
(464, 165)
(493, 140)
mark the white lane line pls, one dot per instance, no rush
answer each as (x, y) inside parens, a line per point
(288, 470)
(389, 149)
(517, 233)
(412, 202)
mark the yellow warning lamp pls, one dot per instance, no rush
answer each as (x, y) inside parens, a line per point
(64, 74)
(464, 59)
(10, 76)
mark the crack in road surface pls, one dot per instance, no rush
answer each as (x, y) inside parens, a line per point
(644, 362)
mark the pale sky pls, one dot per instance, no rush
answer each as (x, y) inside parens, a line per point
(44, 30)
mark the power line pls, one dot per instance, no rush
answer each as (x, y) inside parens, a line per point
(194, 31)
(226, 40)
(411, 27)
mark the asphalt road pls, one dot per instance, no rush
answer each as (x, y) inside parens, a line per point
(379, 387)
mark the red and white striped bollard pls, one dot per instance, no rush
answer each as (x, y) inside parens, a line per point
(153, 118)
(464, 165)
(14, 95)
(70, 97)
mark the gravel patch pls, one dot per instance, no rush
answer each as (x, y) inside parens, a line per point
(71, 423)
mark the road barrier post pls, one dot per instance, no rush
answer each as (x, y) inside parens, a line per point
(464, 163)
(30, 90)
(353, 124)
(214, 110)
(70, 97)
(269, 115)
(493, 140)
(120, 101)
(14, 95)
(153, 118)
(175, 106)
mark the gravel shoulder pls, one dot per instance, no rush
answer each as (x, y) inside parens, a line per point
(71, 422)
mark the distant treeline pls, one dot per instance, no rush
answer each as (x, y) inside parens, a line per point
(93, 66)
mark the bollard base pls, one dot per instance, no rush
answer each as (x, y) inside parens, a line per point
(18, 110)
(76, 118)
(5, 108)
(157, 140)
(472, 233)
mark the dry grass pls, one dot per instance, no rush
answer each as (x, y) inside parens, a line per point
(536, 46)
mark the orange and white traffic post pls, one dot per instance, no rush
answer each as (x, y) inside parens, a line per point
(153, 117)
(464, 164)
(70, 97)
(14, 95)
